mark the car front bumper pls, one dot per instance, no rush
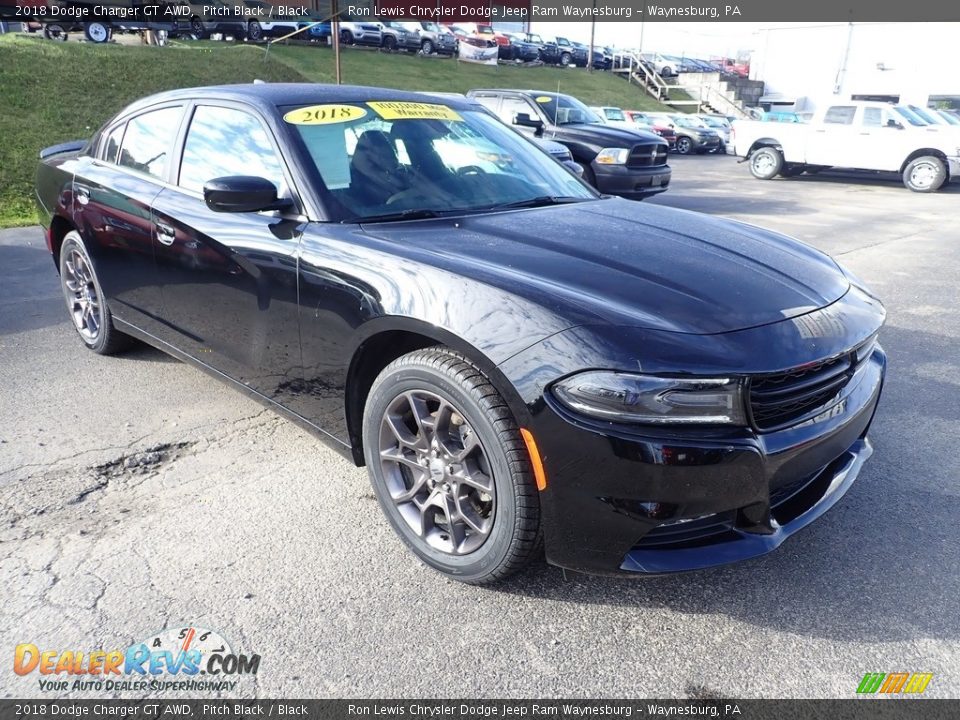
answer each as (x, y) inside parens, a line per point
(677, 503)
(623, 499)
(629, 182)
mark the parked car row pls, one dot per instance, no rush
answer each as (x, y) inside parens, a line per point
(672, 65)
(684, 133)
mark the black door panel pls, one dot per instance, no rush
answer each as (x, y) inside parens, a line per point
(229, 287)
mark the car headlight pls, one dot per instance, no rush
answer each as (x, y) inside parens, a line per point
(625, 397)
(613, 156)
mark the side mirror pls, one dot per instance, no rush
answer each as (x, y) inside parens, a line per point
(242, 193)
(524, 120)
(894, 124)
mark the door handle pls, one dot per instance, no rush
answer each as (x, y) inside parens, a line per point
(165, 233)
(82, 194)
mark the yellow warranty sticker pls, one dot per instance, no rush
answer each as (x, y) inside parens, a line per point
(413, 111)
(544, 99)
(324, 114)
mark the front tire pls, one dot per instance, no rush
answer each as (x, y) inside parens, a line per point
(346, 37)
(766, 163)
(449, 467)
(925, 174)
(86, 303)
(565, 59)
(197, 29)
(684, 145)
(254, 31)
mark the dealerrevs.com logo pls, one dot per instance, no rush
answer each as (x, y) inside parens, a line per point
(186, 658)
(894, 683)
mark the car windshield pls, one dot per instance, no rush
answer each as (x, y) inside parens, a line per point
(715, 122)
(910, 116)
(614, 114)
(565, 110)
(401, 160)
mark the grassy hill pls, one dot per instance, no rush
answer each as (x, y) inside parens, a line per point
(52, 92)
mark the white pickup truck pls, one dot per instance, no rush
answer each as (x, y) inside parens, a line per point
(857, 135)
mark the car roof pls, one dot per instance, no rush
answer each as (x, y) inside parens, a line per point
(520, 92)
(267, 95)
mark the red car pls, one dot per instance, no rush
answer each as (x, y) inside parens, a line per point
(732, 67)
(664, 131)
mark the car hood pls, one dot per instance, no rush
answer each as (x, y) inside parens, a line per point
(596, 133)
(619, 262)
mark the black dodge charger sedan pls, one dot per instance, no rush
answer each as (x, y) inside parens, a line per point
(519, 362)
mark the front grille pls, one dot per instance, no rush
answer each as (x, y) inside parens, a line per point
(647, 156)
(781, 398)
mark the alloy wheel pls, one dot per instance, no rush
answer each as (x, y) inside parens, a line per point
(80, 292)
(437, 472)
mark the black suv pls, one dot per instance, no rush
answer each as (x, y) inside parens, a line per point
(628, 163)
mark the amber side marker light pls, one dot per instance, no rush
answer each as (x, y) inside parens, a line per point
(539, 475)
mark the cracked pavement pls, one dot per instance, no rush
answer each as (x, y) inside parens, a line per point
(137, 493)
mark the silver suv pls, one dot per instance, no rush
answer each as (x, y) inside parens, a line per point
(433, 38)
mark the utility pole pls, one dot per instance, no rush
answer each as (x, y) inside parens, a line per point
(593, 29)
(335, 34)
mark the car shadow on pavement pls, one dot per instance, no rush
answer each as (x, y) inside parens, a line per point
(883, 565)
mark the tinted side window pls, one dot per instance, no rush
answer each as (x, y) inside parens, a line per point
(148, 141)
(226, 141)
(840, 115)
(111, 144)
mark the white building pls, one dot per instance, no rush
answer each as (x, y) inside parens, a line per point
(803, 67)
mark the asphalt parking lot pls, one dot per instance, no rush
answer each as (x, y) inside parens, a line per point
(138, 494)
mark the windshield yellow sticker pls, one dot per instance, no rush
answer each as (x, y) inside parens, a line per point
(413, 111)
(544, 99)
(324, 114)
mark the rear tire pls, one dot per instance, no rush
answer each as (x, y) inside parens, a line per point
(86, 303)
(449, 467)
(766, 163)
(197, 29)
(254, 31)
(925, 174)
(389, 43)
